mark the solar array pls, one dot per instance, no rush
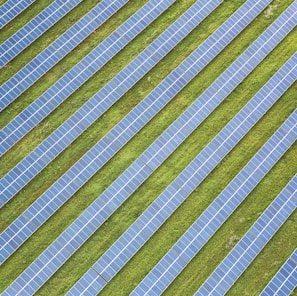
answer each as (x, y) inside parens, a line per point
(285, 280)
(186, 248)
(93, 160)
(50, 56)
(11, 8)
(19, 176)
(55, 264)
(80, 73)
(111, 262)
(245, 251)
(128, 244)
(34, 29)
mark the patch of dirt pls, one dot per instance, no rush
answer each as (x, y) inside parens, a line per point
(268, 13)
(276, 263)
(241, 219)
(233, 239)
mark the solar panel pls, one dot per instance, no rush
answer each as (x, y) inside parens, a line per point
(114, 259)
(11, 8)
(34, 29)
(50, 56)
(96, 106)
(81, 235)
(245, 251)
(187, 247)
(93, 160)
(80, 73)
(285, 280)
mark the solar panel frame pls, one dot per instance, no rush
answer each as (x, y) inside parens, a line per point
(10, 10)
(80, 73)
(50, 56)
(191, 242)
(245, 251)
(285, 280)
(156, 214)
(11, 47)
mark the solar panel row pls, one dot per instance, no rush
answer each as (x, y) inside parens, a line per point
(110, 263)
(86, 167)
(285, 280)
(10, 9)
(50, 56)
(80, 73)
(34, 29)
(186, 248)
(245, 251)
(30, 166)
(51, 265)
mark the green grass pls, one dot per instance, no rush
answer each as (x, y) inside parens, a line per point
(269, 260)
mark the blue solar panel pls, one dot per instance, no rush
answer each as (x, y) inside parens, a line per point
(110, 263)
(30, 73)
(240, 257)
(11, 8)
(80, 73)
(75, 231)
(285, 280)
(105, 98)
(184, 250)
(34, 29)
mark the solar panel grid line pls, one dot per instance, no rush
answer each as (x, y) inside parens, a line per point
(184, 250)
(191, 174)
(285, 280)
(11, 9)
(10, 48)
(256, 238)
(99, 151)
(50, 56)
(97, 105)
(71, 81)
